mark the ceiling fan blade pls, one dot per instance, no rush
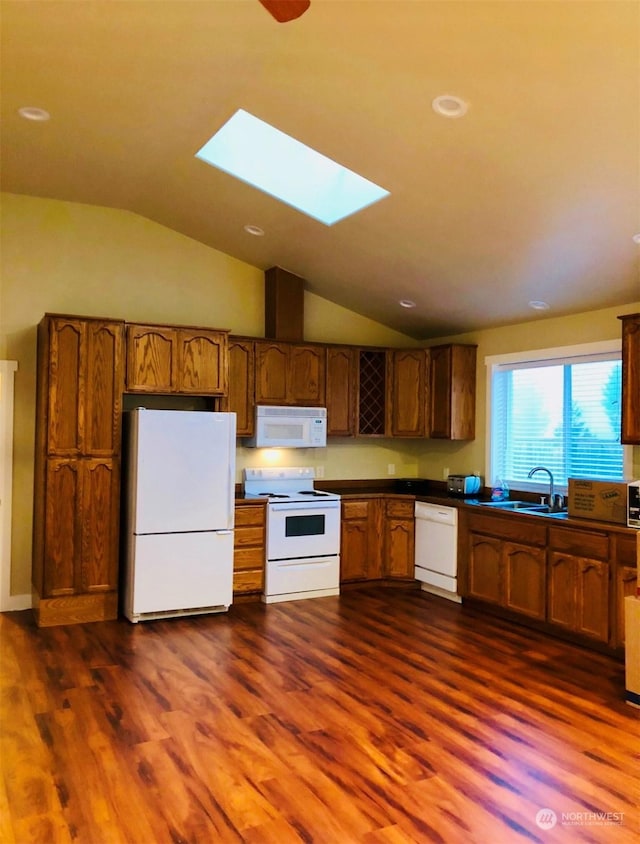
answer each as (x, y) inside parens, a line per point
(286, 10)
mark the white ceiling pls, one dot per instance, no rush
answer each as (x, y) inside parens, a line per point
(534, 194)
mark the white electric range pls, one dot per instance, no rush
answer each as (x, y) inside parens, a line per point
(303, 533)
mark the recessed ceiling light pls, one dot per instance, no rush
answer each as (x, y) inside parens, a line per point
(34, 113)
(254, 230)
(448, 105)
(407, 303)
(538, 305)
(636, 238)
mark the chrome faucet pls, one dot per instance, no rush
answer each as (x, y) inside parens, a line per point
(556, 500)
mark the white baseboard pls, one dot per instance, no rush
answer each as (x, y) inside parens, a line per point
(11, 603)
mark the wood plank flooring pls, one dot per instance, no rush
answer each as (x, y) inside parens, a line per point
(382, 717)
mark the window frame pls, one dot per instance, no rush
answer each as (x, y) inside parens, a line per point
(540, 485)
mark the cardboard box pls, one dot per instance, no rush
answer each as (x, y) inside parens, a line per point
(603, 501)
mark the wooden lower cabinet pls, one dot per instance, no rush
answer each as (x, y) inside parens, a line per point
(360, 557)
(508, 574)
(399, 539)
(76, 553)
(249, 549)
(579, 595)
(377, 539)
(574, 579)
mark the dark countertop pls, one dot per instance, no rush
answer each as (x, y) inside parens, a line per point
(435, 492)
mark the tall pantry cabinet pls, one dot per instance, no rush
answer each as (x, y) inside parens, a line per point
(77, 469)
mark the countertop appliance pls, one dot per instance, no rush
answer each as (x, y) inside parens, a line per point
(289, 427)
(436, 554)
(303, 533)
(464, 485)
(633, 504)
(180, 489)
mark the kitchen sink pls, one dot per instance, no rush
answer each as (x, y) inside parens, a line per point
(525, 507)
(514, 505)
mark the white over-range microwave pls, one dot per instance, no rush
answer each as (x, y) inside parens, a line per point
(289, 427)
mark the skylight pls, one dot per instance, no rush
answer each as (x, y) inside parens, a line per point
(265, 157)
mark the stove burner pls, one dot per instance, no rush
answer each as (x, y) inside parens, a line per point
(312, 492)
(272, 495)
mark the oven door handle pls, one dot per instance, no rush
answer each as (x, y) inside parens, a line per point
(311, 505)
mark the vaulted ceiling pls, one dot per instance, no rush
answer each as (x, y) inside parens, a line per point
(534, 194)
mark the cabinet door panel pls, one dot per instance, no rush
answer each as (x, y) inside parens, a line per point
(271, 373)
(399, 548)
(240, 395)
(100, 519)
(525, 579)
(354, 550)
(440, 392)
(105, 384)
(627, 582)
(66, 387)
(408, 393)
(341, 386)
(631, 379)
(62, 528)
(485, 569)
(562, 600)
(592, 617)
(306, 376)
(202, 362)
(151, 359)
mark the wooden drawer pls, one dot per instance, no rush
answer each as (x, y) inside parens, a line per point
(580, 543)
(626, 549)
(248, 558)
(249, 536)
(355, 509)
(248, 581)
(249, 515)
(399, 509)
(512, 527)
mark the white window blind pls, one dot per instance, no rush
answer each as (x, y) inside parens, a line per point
(562, 413)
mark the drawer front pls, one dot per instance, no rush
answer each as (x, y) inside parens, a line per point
(248, 558)
(400, 509)
(626, 549)
(580, 543)
(248, 581)
(512, 527)
(355, 509)
(254, 514)
(249, 536)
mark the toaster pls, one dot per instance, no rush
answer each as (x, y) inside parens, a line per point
(463, 484)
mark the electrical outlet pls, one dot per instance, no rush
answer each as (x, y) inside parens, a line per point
(391, 469)
(445, 473)
(319, 471)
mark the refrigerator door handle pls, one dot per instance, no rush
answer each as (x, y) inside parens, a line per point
(223, 532)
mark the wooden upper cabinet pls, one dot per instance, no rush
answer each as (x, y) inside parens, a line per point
(240, 395)
(152, 359)
(453, 392)
(341, 391)
(82, 365)
(203, 362)
(289, 374)
(271, 377)
(168, 359)
(409, 378)
(630, 433)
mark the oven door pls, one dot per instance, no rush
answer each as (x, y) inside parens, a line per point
(303, 529)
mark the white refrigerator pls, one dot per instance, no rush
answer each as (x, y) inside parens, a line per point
(179, 512)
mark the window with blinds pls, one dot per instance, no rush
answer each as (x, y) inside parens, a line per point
(561, 413)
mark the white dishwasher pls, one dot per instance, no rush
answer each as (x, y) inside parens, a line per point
(436, 560)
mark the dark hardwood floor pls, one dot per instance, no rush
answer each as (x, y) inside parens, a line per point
(382, 716)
